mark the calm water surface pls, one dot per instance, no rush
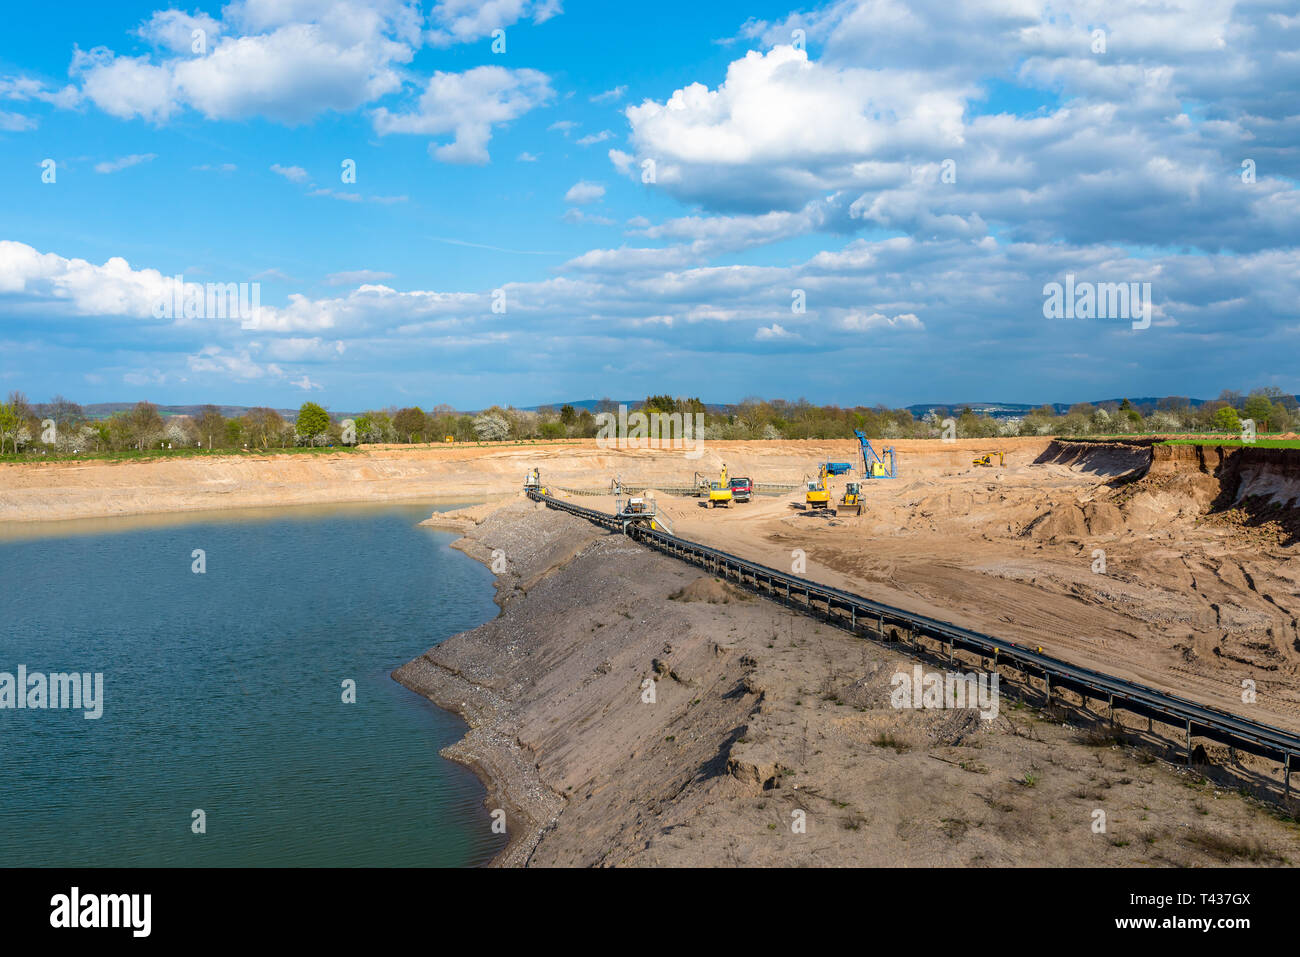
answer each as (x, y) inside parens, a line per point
(222, 691)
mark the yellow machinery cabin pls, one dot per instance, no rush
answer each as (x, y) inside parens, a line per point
(851, 503)
(818, 494)
(533, 482)
(720, 491)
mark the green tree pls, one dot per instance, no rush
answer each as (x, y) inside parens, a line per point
(262, 426)
(410, 423)
(119, 431)
(21, 406)
(660, 403)
(568, 415)
(1260, 409)
(1226, 419)
(312, 421)
(10, 423)
(211, 424)
(364, 425)
(146, 424)
(1129, 411)
(374, 426)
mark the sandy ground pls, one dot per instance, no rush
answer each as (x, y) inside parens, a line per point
(771, 739)
(1096, 554)
(1196, 596)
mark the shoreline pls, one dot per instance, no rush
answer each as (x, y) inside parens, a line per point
(507, 780)
(336, 498)
(123, 522)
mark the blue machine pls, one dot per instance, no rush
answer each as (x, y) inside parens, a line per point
(839, 468)
(873, 464)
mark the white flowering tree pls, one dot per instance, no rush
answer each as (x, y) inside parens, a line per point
(490, 427)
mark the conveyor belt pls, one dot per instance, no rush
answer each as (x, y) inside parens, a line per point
(857, 613)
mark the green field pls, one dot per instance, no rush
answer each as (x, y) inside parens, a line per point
(1229, 441)
(1237, 443)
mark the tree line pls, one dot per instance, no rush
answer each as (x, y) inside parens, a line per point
(63, 426)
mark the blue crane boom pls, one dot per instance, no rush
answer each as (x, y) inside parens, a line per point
(873, 463)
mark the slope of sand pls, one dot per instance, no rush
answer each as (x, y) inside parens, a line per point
(762, 717)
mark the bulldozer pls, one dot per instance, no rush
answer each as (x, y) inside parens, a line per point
(851, 502)
(818, 494)
(986, 460)
(720, 491)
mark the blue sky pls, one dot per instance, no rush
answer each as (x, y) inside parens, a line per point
(793, 149)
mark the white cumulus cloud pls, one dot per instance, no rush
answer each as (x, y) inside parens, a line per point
(467, 105)
(584, 191)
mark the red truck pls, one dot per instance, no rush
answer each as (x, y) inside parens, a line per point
(741, 489)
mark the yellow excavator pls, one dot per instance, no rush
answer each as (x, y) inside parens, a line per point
(986, 459)
(818, 495)
(852, 500)
(720, 491)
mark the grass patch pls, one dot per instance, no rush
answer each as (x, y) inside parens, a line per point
(1237, 443)
(154, 455)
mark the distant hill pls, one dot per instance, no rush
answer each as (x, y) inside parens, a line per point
(997, 410)
(1005, 410)
(591, 405)
(102, 410)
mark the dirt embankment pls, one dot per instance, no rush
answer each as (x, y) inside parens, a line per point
(770, 738)
(1259, 477)
(1150, 486)
(1098, 458)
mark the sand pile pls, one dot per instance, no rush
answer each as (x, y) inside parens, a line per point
(712, 590)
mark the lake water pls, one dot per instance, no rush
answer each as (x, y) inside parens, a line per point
(223, 691)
